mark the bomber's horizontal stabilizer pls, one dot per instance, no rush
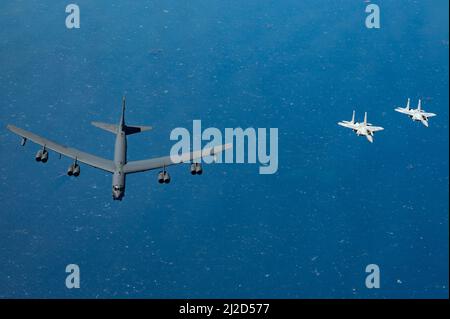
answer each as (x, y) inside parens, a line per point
(113, 128)
(133, 129)
(129, 129)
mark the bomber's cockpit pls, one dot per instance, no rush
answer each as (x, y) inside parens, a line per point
(118, 192)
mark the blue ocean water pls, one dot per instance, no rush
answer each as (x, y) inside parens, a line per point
(336, 204)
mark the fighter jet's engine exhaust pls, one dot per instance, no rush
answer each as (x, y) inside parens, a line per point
(42, 156)
(196, 169)
(163, 177)
(74, 170)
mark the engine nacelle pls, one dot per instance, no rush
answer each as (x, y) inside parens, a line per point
(199, 169)
(38, 156)
(41, 156)
(161, 177)
(196, 168)
(193, 170)
(44, 157)
(166, 178)
(70, 170)
(76, 170)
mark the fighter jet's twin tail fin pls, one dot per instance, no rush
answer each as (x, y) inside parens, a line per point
(408, 105)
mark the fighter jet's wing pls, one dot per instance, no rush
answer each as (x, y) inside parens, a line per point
(404, 111)
(348, 125)
(160, 162)
(86, 158)
(428, 115)
(375, 128)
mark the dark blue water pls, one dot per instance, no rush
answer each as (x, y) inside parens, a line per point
(336, 204)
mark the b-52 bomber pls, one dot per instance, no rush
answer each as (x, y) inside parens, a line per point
(119, 167)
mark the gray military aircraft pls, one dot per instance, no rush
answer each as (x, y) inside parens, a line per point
(119, 167)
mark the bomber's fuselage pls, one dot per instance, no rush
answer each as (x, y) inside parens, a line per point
(120, 159)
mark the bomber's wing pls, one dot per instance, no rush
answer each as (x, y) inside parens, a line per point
(86, 158)
(160, 162)
(375, 128)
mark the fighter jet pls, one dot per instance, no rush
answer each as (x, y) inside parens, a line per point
(415, 114)
(119, 167)
(361, 129)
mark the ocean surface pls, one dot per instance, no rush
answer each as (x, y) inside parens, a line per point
(336, 204)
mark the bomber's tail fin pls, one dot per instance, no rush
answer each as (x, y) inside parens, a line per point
(122, 118)
(123, 105)
(408, 104)
(419, 106)
(353, 117)
(128, 129)
(365, 118)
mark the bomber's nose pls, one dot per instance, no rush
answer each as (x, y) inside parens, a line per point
(116, 194)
